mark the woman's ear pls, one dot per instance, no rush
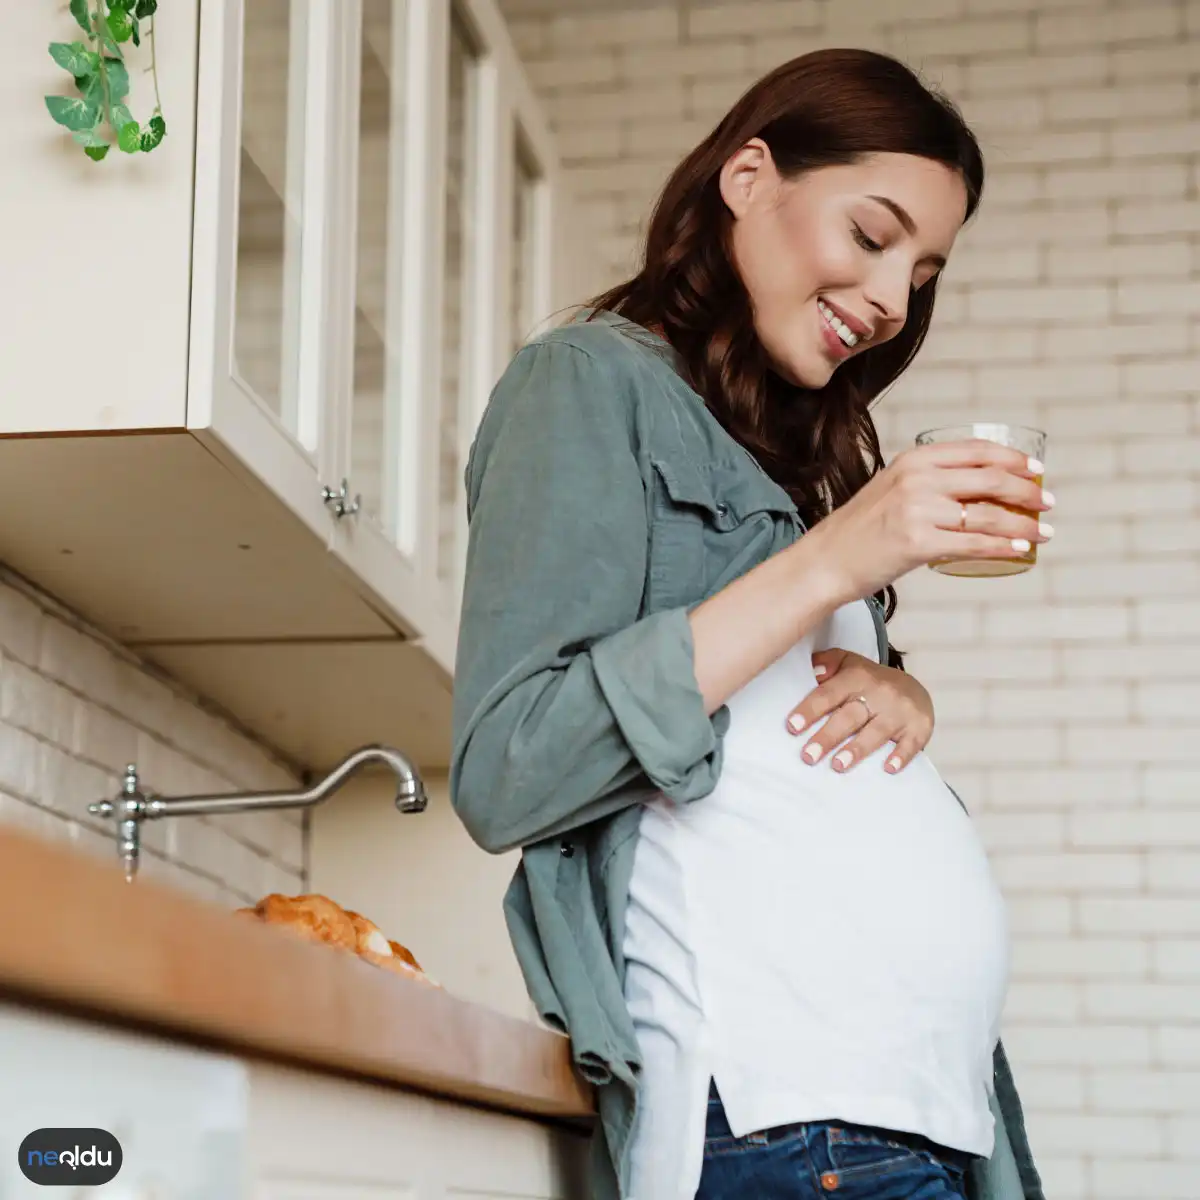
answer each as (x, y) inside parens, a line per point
(745, 175)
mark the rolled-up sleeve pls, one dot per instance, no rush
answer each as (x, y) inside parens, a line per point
(565, 698)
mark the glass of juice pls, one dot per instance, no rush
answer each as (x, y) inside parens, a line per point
(1029, 441)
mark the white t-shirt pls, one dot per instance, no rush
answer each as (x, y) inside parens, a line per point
(826, 946)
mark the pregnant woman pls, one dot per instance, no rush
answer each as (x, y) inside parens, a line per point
(745, 894)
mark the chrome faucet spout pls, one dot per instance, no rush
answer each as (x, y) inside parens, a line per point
(132, 805)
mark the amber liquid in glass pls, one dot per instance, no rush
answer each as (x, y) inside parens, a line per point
(991, 568)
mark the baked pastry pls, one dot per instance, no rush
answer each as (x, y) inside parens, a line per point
(313, 917)
(405, 955)
(371, 937)
(316, 918)
(398, 966)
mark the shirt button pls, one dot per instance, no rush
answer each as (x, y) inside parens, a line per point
(567, 850)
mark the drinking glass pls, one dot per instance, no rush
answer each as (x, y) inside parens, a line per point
(1029, 441)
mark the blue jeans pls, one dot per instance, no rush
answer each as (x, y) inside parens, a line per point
(825, 1160)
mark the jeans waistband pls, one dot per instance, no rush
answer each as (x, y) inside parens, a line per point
(913, 1141)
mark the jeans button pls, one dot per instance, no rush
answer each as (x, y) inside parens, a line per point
(722, 509)
(567, 850)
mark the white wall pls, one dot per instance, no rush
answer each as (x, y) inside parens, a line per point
(75, 708)
(422, 880)
(1068, 699)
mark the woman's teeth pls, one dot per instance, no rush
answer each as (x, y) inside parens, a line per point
(837, 325)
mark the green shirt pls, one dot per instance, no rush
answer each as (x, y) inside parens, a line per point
(605, 501)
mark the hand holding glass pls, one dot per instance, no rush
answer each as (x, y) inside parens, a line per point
(1029, 441)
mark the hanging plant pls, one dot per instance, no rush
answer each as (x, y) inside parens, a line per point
(98, 117)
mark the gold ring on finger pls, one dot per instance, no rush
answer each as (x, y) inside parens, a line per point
(863, 701)
(962, 519)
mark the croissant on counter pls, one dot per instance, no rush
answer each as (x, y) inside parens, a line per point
(316, 918)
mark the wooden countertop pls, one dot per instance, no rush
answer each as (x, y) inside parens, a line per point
(79, 937)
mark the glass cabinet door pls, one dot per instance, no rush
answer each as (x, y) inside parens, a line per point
(262, 242)
(524, 259)
(270, 211)
(376, 394)
(373, 184)
(379, 320)
(460, 230)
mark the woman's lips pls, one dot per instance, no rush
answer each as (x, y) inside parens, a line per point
(836, 348)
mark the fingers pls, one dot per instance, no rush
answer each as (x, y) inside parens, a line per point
(908, 746)
(837, 686)
(994, 521)
(977, 452)
(845, 723)
(827, 663)
(872, 735)
(978, 545)
(997, 485)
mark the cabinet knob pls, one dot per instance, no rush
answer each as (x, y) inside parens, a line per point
(339, 502)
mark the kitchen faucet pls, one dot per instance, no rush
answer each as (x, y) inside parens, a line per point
(132, 806)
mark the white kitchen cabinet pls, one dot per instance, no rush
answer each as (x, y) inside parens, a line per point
(179, 1114)
(196, 1124)
(327, 262)
(315, 1137)
(374, 269)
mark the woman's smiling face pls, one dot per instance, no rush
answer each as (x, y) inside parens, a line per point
(831, 257)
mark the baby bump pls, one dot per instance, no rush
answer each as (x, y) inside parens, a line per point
(873, 867)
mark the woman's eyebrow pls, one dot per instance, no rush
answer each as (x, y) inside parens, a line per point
(910, 226)
(899, 213)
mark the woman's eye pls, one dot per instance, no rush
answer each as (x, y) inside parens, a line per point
(865, 242)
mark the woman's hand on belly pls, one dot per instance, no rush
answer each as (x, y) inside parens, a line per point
(868, 705)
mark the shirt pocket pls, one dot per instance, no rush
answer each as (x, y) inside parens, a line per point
(711, 523)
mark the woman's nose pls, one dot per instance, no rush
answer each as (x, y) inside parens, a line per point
(890, 300)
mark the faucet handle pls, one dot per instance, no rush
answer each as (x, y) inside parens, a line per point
(130, 807)
(131, 800)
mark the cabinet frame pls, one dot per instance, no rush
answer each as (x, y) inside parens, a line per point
(222, 409)
(393, 560)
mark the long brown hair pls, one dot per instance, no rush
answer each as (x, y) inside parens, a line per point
(823, 109)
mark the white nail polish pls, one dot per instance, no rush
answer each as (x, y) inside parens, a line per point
(819, 671)
(1045, 529)
(893, 763)
(795, 723)
(1036, 466)
(844, 759)
(1048, 498)
(812, 752)
(1020, 545)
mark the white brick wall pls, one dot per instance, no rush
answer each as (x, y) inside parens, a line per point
(75, 708)
(1068, 698)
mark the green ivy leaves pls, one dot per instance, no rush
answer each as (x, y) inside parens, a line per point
(79, 10)
(130, 137)
(154, 133)
(94, 146)
(75, 57)
(72, 113)
(120, 24)
(118, 79)
(102, 79)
